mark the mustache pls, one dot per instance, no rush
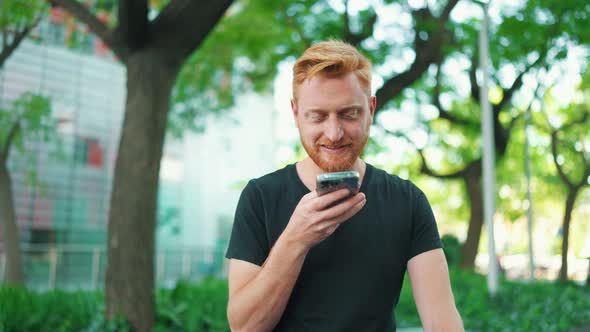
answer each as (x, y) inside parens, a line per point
(331, 144)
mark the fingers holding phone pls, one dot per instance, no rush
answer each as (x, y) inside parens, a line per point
(329, 182)
(319, 213)
(344, 208)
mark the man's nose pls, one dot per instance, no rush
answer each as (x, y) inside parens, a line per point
(333, 130)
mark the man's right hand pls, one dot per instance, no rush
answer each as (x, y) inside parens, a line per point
(314, 219)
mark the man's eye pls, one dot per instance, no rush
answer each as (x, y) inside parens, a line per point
(315, 117)
(351, 114)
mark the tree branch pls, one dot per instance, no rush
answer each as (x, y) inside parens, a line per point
(427, 52)
(184, 24)
(85, 16)
(501, 134)
(346, 24)
(554, 153)
(133, 23)
(473, 76)
(444, 16)
(581, 120)
(366, 31)
(14, 130)
(586, 172)
(4, 39)
(396, 84)
(20, 34)
(442, 112)
(425, 169)
(555, 140)
(515, 86)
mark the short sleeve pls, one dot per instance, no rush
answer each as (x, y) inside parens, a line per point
(248, 241)
(425, 234)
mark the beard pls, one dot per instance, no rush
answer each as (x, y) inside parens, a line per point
(335, 163)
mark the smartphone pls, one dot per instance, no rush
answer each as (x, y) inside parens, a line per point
(328, 182)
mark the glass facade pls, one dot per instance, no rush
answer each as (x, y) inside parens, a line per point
(62, 211)
(67, 199)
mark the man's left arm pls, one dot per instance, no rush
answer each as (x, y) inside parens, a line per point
(431, 286)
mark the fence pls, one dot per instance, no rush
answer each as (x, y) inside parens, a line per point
(80, 267)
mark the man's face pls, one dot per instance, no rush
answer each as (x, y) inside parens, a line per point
(333, 115)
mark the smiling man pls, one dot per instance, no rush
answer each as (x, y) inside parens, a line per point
(304, 262)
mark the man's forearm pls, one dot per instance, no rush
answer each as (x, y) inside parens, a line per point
(446, 321)
(259, 305)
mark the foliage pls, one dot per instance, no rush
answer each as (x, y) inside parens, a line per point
(17, 19)
(240, 56)
(452, 249)
(21, 310)
(526, 37)
(190, 308)
(30, 116)
(538, 306)
(19, 13)
(518, 306)
(571, 125)
(31, 113)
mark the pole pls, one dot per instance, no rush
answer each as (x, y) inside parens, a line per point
(488, 150)
(529, 193)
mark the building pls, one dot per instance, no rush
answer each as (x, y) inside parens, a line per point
(62, 212)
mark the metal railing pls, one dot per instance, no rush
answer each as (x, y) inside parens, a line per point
(82, 267)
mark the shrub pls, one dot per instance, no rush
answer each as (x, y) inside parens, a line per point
(537, 306)
(518, 306)
(54, 311)
(452, 249)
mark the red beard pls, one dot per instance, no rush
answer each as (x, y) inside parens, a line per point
(335, 163)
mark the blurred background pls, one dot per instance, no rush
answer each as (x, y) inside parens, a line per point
(68, 87)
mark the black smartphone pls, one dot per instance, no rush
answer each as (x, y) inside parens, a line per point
(328, 182)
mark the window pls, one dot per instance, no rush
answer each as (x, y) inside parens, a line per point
(88, 152)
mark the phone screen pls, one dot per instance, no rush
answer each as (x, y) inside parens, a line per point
(328, 182)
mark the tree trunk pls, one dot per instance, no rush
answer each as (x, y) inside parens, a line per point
(132, 215)
(13, 271)
(567, 217)
(472, 180)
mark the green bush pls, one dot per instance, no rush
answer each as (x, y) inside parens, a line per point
(518, 306)
(538, 306)
(193, 308)
(55, 311)
(452, 249)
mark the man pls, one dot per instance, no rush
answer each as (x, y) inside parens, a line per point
(299, 262)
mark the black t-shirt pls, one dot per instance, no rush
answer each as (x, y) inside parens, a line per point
(351, 281)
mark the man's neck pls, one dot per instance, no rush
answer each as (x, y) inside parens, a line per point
(308, 171)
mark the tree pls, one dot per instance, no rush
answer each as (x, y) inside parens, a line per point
(153, 51)
(568, 128)
(17, 19)
(521, 44)
(26, 117)
(245, 56)
(527, 37)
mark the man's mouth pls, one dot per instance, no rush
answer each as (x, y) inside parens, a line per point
(334, 149)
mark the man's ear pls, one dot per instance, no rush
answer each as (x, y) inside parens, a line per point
(295, 111)
(372, 106)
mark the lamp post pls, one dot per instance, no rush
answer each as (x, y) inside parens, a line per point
(529, 191)
(488, 151)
